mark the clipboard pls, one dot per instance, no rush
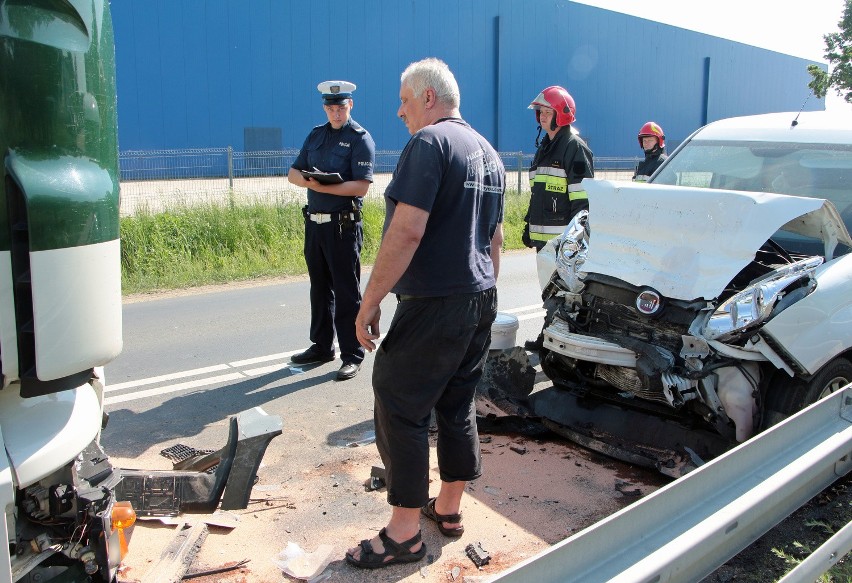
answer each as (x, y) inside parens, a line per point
(323, 177)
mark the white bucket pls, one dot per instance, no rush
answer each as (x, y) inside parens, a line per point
(503, 331)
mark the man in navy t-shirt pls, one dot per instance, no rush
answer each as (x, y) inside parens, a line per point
(440, 256)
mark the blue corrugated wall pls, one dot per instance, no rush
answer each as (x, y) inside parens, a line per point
(198, 73)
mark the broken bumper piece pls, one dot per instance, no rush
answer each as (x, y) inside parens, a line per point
(629, 435)
(172, 492)
(559, 339)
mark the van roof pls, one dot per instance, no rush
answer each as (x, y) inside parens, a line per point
(821, 127)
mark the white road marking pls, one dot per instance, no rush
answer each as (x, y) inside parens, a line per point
(539, 314)
(174, 388)
(268, 369)
(525, 313)
(166, 377)
(267, 358)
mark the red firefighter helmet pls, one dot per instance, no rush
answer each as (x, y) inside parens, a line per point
(651, 129)
(560, 101)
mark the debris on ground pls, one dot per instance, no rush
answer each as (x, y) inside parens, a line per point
(518, 449)
(368, 438)
(217, 570)
(184, 457)
(300, 564)
(625, 488)
(220, 518)
(509, 373)
(477, 554)
(176, 558)
(502, 405)
(377, 478)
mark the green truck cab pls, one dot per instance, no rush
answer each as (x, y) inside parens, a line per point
(66, 508)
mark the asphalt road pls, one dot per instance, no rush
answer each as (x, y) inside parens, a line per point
(191, 360)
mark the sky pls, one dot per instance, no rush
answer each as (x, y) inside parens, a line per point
(792, 27)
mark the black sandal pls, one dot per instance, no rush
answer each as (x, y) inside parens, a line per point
(429, 512)
(399, 552)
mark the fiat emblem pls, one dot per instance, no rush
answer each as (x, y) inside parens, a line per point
(648, 302)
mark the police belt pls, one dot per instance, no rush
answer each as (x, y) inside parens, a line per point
(341, 217)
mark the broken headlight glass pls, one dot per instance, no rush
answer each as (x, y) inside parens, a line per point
(572, 250)
(754, 305)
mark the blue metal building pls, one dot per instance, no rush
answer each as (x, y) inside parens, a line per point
(215, 73)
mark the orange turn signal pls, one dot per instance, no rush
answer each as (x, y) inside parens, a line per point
(123, 516)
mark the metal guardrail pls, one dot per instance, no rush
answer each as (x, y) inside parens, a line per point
(687, 529)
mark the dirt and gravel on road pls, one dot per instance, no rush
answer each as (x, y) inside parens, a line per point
(533, 493)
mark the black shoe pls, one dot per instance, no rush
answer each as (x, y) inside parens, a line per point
(534, 345)
(348, 371)
(311, 355)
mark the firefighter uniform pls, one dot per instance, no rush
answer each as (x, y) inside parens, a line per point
(646, 167)
(334, 234)
(654, 156)
(556, 173)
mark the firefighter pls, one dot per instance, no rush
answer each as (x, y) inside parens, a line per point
(652, 140)
(333, 229)
(562, 160)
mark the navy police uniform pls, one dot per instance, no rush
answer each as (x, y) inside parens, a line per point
(333, 229)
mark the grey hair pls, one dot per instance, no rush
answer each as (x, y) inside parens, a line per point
(434, 73)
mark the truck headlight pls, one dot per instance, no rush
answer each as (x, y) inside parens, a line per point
(753, 305)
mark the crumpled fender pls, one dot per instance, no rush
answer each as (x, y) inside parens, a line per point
(816, 328)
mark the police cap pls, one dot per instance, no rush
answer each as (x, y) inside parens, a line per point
(335, 92)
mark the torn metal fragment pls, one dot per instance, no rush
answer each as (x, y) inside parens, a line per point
(477, 554)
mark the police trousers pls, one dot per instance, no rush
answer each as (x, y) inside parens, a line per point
(431, 357)
(333, 257)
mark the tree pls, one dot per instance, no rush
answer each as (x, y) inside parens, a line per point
(838, 52)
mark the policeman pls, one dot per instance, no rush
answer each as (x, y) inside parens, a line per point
(652, 140)
(333, 228)
(562, 160)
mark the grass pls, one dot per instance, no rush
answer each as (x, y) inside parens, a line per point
(840, 572)
(189, 246)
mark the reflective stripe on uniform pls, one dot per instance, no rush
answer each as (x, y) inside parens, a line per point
(547, 229)
(545, 232)
(554, 179)
(547, 170)
(542, 236)
(577, 192)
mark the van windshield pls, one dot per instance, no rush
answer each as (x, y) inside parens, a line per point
(812, 170)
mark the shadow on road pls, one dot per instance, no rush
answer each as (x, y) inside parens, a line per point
(129, 433)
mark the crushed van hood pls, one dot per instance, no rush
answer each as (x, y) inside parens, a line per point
(689, 243)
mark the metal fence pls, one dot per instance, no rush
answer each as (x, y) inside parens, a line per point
(155, 180)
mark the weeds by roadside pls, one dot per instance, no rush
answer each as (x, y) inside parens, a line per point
(841, 572)
(781, 549)
(204, 244)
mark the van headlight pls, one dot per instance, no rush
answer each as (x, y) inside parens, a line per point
(754, 305)
(571, 253)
